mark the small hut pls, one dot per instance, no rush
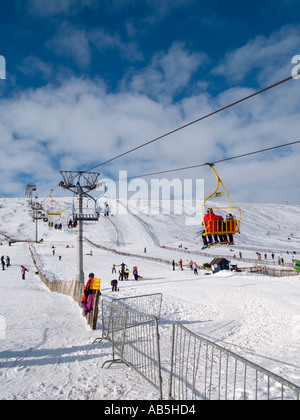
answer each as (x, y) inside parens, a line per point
(218, 264)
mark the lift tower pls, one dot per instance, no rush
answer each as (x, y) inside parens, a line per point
(80, 183)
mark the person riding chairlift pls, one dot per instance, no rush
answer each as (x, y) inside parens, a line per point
(210, 225)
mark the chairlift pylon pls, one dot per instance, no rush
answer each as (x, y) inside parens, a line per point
(85, 215)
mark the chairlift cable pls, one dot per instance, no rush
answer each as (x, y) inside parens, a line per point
(192, 122)
(205, 164)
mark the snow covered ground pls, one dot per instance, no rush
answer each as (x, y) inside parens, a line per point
(46, 349)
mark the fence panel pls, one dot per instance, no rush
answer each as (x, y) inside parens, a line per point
(135, 342)
(201, 369)
(148, 304)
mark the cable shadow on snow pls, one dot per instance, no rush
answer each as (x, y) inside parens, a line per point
(41, 357)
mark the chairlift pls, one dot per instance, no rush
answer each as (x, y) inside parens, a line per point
(39, 216)
(53, 207)
(38, 212)
(229, 223)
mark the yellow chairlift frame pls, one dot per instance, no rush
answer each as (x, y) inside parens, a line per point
(231, 226)
(53, 207)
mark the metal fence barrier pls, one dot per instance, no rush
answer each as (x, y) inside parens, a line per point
(135, 342)
(203, 370)
(149, 304)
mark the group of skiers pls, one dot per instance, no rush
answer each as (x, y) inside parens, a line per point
(192, 264)
(124, 272)
(72, 223)
(57, 226)
(123, 275)
(5, 262)
(215, 223)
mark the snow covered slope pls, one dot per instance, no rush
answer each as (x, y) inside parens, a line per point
(45, 344)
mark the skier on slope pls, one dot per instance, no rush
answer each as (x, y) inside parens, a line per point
(195, 267)
(23, 271)
(106, 210)
(7, 261)
(114, 285)
(3, 262)
(135, 273)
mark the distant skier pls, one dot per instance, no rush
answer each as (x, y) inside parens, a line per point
(114, 285)
(7, 261)
(3, 262)
(173, 264)
(122, 272)
(180, 263)
(135, 273)
(195, 268)
(106, 210)
(23, 271)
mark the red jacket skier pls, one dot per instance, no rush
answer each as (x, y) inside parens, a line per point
(210, 220)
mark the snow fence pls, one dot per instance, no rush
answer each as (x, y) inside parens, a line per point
(135, 341)
(203, 370)
(71, 288)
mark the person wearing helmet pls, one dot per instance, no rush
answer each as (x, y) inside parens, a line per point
(87, 298)
(230, 227)
(210, 222)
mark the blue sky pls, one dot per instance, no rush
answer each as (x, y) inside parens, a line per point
(87, 80)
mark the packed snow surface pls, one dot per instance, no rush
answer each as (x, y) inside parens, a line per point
(46, 349)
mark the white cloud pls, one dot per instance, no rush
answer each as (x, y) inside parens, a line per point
(105, 41)
(78, 124)
(168, 73)
(32, 66)
(269, 56)
(78, 43)
(72, 42)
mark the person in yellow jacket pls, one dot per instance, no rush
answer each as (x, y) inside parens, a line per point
(87, 298)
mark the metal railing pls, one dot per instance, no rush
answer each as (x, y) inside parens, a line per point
(149, 304)
(135, 342)
(203, 370)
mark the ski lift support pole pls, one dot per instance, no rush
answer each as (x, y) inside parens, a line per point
(80, 272)
(89, 180)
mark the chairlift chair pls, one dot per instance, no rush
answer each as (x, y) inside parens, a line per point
(230, 224)
(53, 207)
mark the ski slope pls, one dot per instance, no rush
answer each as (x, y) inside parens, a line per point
(46, 349)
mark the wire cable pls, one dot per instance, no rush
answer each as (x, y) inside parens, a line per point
(191, 123)
(209, 163)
